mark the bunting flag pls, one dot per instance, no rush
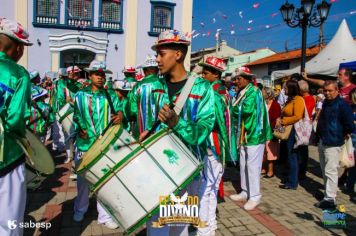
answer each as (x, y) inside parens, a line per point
(259, 23)
(256, 5)
(116, 1)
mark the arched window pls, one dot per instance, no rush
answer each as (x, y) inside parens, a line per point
(110, 14)
(47, 11)
(80, 12)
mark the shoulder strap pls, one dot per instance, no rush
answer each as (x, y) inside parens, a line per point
(184, 94)
(110, 101)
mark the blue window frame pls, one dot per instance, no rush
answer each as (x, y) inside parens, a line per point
(79, 13)
(46, 11)
(162, 17)
(110, 14)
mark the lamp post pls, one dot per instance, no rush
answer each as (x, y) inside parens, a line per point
(305, 16)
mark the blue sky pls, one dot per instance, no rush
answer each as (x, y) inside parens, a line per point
(258, 23)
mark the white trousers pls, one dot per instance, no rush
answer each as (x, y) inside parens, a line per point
(172, 230)
(208, 192)
(57, 136)
(329, 162)
(61, 140)
(81, 202)
(250, 170)
(12, 201)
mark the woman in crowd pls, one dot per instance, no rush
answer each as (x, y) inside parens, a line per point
(292, 112)
(351, 172)
(272, 146)
(303, 150)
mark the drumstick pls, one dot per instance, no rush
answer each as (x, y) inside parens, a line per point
(155, 125)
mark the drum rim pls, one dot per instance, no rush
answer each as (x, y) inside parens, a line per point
(102, 153)
(65, 115)
(155, 209)
(44, 150)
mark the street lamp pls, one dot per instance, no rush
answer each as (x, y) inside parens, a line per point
(305, 16)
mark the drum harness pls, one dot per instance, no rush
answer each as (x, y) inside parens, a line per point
(177, 108)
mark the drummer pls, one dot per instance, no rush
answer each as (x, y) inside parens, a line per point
(41, 114)
(122, 89)
(35, 77)
(130, 73)
(15, 90)
(94, 109)
(196, 119)
(64, 93)
(221, 145)
(146, 95)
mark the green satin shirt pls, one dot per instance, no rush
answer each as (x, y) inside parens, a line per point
(145, 101)
(251, 115)
(15, 99)
(92, 113)
(222, 140)
(39, 126)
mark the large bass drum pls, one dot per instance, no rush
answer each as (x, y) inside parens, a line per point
(130, 189)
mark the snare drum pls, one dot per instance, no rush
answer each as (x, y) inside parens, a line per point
(65, 117)
(130, 190)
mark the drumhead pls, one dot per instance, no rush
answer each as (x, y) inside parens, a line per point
(66, 110)
(100, 146)
(39, 155)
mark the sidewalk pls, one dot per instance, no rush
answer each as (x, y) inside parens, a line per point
(282, 212)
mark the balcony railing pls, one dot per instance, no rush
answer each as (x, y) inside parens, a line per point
(46, 20)
(110, 25)
(79, 22)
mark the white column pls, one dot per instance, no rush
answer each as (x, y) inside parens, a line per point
(130, 32)
(187, 14)
(55, 57)
(21, 16)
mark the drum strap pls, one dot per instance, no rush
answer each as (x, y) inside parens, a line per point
(43, 116)
(110, 101)
(184, 94)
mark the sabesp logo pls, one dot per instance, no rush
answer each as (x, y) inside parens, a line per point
(11, 224)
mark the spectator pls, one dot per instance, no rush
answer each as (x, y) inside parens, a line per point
(253, 131)
(319, 104)
(303, 149)
(272, 146)
(335, 123)
(351, 172)
(344, 79)
(291, 114)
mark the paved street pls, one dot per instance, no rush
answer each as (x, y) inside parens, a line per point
(282, 212)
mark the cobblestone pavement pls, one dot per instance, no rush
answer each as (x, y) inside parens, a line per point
(282, 212)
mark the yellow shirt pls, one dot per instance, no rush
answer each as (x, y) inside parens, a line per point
(293, 111)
